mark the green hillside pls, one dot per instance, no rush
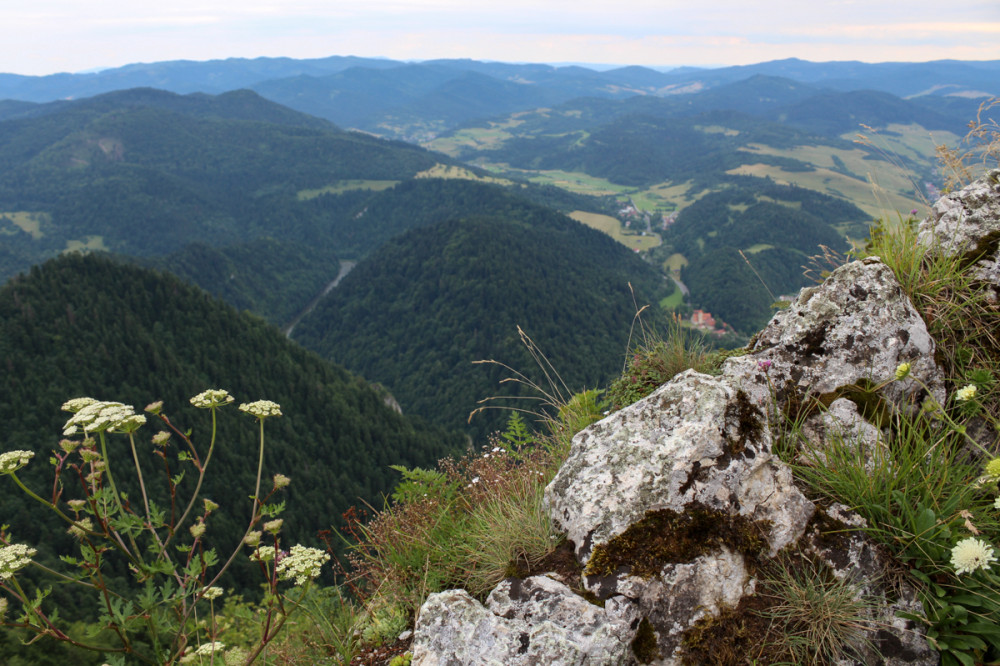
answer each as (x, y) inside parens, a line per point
(144, 173)
(777, 227)
(419, 311)
(87, 326)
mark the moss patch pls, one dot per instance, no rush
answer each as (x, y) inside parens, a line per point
(665, 536)
(737, 636)
(644, 645)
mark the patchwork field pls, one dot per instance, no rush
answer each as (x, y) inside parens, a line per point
(445, 171)
(872, 197)
(94, 243)
(613, 227)
(28, 222)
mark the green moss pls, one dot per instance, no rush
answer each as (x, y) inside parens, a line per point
(665, 536)
(644, 645)
(750, 425)
(735, 636)
(986, 246)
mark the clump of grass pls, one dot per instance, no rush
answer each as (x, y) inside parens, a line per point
(822, 618)
(654, 361)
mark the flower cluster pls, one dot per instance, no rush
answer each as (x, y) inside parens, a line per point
(902, 371)
(971, 554)
(993, 470)
(966, 393)
(212, 593)
(212, 398)
(302, 564)
(261, 409)
(14, 557)
(96, 416)
(12, 461)
(203, 651)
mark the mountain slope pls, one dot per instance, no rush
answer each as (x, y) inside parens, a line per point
(419, 311)
(145, 172)
(84, 325)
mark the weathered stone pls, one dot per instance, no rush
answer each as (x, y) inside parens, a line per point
(525, 622)
(852, 331)
(696, 439)
(684, 593)
(852, 557)
(960, 220)
(840, 424)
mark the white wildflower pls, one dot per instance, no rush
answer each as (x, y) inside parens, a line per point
(14, 557)
(80, 528)
(99, 416)
(212, 398)
(76, 404)
(302, 564)
(261, 409)
(212, 592)
(971, 554)
(966, 393)
(11, 461)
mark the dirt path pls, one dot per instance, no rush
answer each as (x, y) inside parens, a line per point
(345, 268)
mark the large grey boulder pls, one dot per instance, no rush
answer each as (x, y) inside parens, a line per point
(696, 439)
(526, 622)
(849, 333)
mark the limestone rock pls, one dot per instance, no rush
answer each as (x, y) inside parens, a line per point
(532, 621)
(696, 439)
(959, 220)
(857, 326)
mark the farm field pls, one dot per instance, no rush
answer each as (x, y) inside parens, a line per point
(28, 222)
(613, 227)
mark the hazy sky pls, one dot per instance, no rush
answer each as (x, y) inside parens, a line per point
(46, 36)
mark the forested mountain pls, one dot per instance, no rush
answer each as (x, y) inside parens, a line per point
(144, 173)
(777, 228)
(419, 311)
(88, 326)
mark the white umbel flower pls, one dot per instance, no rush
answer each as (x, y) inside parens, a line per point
(261, 409)
(302, 564)
(212, 398)
(11, 461)
(14, 557)
(98, 416)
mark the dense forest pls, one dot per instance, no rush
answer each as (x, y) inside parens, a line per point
(420, 310)
(778, 227)
(89, 326)
(145, 172)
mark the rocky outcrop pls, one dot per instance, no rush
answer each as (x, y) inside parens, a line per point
(676, 504)
(960, 221)
(533, 621)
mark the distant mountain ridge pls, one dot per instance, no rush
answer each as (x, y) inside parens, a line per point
(409, 100)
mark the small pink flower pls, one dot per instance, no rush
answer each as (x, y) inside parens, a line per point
(764, 365)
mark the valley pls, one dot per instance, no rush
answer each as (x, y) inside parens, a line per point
(353, 237)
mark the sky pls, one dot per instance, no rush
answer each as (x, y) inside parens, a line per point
(47, 36)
